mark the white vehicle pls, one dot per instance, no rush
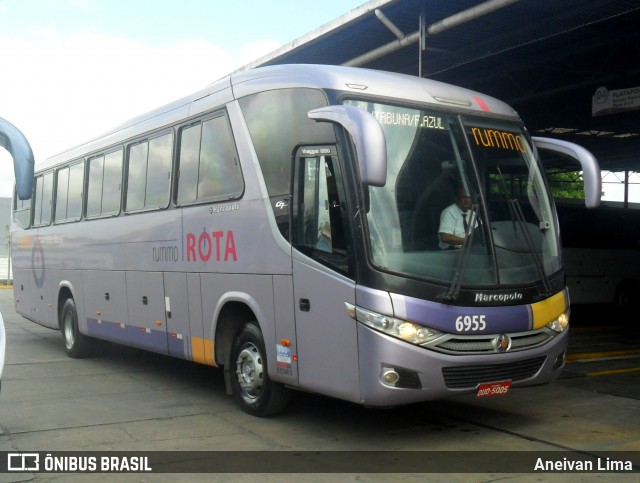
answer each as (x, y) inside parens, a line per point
(280, 224)
(601, 252)
(3, 344)
(14, 141)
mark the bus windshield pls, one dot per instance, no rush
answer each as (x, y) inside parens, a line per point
(472, 177)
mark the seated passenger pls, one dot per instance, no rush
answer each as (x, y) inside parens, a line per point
(454, 221)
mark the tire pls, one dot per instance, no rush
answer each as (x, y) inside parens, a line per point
(254, 391)
(76, 344)
(627, 296)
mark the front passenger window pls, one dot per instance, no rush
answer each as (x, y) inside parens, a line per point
(320, 211)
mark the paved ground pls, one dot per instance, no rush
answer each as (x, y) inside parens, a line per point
(128, 400)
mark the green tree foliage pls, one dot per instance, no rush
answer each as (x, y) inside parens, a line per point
(566, 184)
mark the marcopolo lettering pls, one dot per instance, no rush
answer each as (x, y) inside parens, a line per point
(498, 297)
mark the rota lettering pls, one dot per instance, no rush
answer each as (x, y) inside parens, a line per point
(215, 245)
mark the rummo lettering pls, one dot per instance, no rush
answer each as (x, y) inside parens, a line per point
(492, 138)
(498, 297)
(166, 254)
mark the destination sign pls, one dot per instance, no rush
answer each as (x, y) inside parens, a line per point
(494, 138)
(418, 120)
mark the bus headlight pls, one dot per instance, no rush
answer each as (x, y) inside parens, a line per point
(408, 331)
(560, 324)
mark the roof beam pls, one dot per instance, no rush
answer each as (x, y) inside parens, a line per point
(468, 15)
(389, 24)
(434, 29)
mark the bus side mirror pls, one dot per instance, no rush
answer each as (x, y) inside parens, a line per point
(368, 138)
(590, 167)
(12, 139)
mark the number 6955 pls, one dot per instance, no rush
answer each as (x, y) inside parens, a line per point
(471, 323)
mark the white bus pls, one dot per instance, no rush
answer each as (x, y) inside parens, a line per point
(282, 224)
(3, 345)
(12, 139)
(602, 254)
(600, 247)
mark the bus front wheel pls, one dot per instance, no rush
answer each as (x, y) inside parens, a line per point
(254, 391)
(76, 345)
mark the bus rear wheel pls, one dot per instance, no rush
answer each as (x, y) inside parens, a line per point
(254, 391)
(76, 344)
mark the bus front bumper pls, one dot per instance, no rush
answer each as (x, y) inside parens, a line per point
(394, 372)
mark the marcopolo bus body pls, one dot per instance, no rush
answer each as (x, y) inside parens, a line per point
(283, 224)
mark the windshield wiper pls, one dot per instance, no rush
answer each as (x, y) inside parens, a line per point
(517, 217)
(456, 283)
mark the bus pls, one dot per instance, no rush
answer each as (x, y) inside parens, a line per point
(281, 224)
(601, 265)
(12, 139)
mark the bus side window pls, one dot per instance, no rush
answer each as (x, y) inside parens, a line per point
(149, 173)
(22, 211)
(69, 181)
(94, 186)
(62, 194)
(208, 167)
(104, 185)
(319, 212)
(43, 200)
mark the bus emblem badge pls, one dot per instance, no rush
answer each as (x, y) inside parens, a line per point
(502, 343)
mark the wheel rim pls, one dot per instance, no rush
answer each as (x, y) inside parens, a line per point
(624, 298)
(69, 336)
(249, 371)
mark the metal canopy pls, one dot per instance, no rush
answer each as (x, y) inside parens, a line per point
(545, 58)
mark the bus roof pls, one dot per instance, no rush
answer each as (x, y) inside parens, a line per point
(240, 84)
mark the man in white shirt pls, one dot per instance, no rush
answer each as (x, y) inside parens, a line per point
(454, 222)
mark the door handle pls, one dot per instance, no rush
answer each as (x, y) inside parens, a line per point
(304, 305)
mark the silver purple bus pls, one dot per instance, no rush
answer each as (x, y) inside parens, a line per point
(282, 224)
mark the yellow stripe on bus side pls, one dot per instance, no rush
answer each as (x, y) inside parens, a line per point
(202, 350)
(548, 310)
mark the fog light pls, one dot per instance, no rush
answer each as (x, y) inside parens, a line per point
(389, 376)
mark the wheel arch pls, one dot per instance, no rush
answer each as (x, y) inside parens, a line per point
(65, 292)
(234, 310)
(626, 295)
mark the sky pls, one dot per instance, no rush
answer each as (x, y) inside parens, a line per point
(72, 69)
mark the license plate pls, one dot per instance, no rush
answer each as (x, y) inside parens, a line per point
(494, 389)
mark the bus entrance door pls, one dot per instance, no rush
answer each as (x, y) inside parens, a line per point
(326, 334)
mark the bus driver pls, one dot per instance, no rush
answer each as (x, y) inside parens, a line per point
(454, 222)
